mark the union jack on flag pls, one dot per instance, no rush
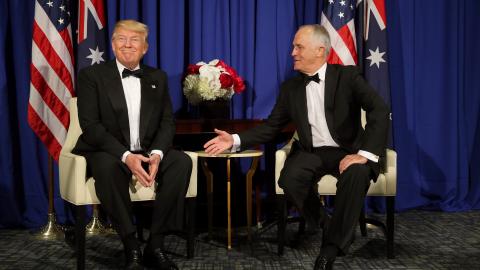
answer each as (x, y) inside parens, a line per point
(51, 73)
(92, 35)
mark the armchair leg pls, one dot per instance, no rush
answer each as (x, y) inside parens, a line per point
(190, 224)
(80, 235)
(282, 220)
(362, 222)
(390, 200)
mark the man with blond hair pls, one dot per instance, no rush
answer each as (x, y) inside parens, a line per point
(126, 117)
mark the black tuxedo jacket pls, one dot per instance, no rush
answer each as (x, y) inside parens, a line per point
(346, 93)
(103, 114)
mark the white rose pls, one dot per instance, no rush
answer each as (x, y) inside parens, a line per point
(211, 75)
(214, 62)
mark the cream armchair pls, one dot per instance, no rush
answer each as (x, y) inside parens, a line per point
(385, 186)
(80, 191)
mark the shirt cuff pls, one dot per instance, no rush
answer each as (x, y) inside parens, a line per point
(236, 143)
(368, 155)
(124, 156)
(158, 152)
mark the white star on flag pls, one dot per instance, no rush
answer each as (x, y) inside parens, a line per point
(376, 57)
(96, 56)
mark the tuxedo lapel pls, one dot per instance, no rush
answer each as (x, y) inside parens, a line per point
(331, 79)
(117, 98)
(301, 104)
(147, 105)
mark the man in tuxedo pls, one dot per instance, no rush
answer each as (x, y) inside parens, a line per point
(126, 117)
(324, 102)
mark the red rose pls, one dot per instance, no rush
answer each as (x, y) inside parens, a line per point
(238, 85)
(193, 69)
(227, 68)
(226, 80)
(231, 71)
(221, 64)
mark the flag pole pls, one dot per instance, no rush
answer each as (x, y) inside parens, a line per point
(51, 230)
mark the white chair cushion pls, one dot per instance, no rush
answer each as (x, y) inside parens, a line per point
(386, 184)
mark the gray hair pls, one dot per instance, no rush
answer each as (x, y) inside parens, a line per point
(320, 36)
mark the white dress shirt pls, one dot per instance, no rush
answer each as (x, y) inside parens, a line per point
(316, 117)
(316, 111)
(133, 96)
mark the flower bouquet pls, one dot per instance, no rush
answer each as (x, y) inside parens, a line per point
(212, 81)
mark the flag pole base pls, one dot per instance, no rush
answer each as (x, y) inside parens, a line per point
(95, 226)
(51, 230)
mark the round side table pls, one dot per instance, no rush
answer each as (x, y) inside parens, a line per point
(255, 155)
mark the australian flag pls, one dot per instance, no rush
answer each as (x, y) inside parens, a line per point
(373, 48)
(92, 33)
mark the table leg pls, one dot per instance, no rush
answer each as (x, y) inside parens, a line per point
(209, 176)
(250, 173)
(258, 206)
(229, 221)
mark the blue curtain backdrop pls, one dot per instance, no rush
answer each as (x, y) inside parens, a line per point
(434, 81)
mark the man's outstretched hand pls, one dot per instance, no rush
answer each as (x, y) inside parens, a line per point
(223, 141)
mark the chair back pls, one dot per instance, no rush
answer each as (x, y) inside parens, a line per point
(74, 130)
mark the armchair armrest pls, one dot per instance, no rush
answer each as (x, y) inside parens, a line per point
(192, 186)
(391, 172)
(72, 178)
(280, 157)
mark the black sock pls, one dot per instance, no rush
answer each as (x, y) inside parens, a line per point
(329, 251)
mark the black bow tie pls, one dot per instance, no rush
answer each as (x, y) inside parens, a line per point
(136, 73)
(307, 79)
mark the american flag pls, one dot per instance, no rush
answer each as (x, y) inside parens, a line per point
(338, 17)
(92, 35)
(52, 73)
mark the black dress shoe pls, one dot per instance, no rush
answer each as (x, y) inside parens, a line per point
(133, 259)
(322, 263)
(157, 259)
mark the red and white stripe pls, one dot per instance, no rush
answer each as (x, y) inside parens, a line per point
(51, 82)
(344, 45)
